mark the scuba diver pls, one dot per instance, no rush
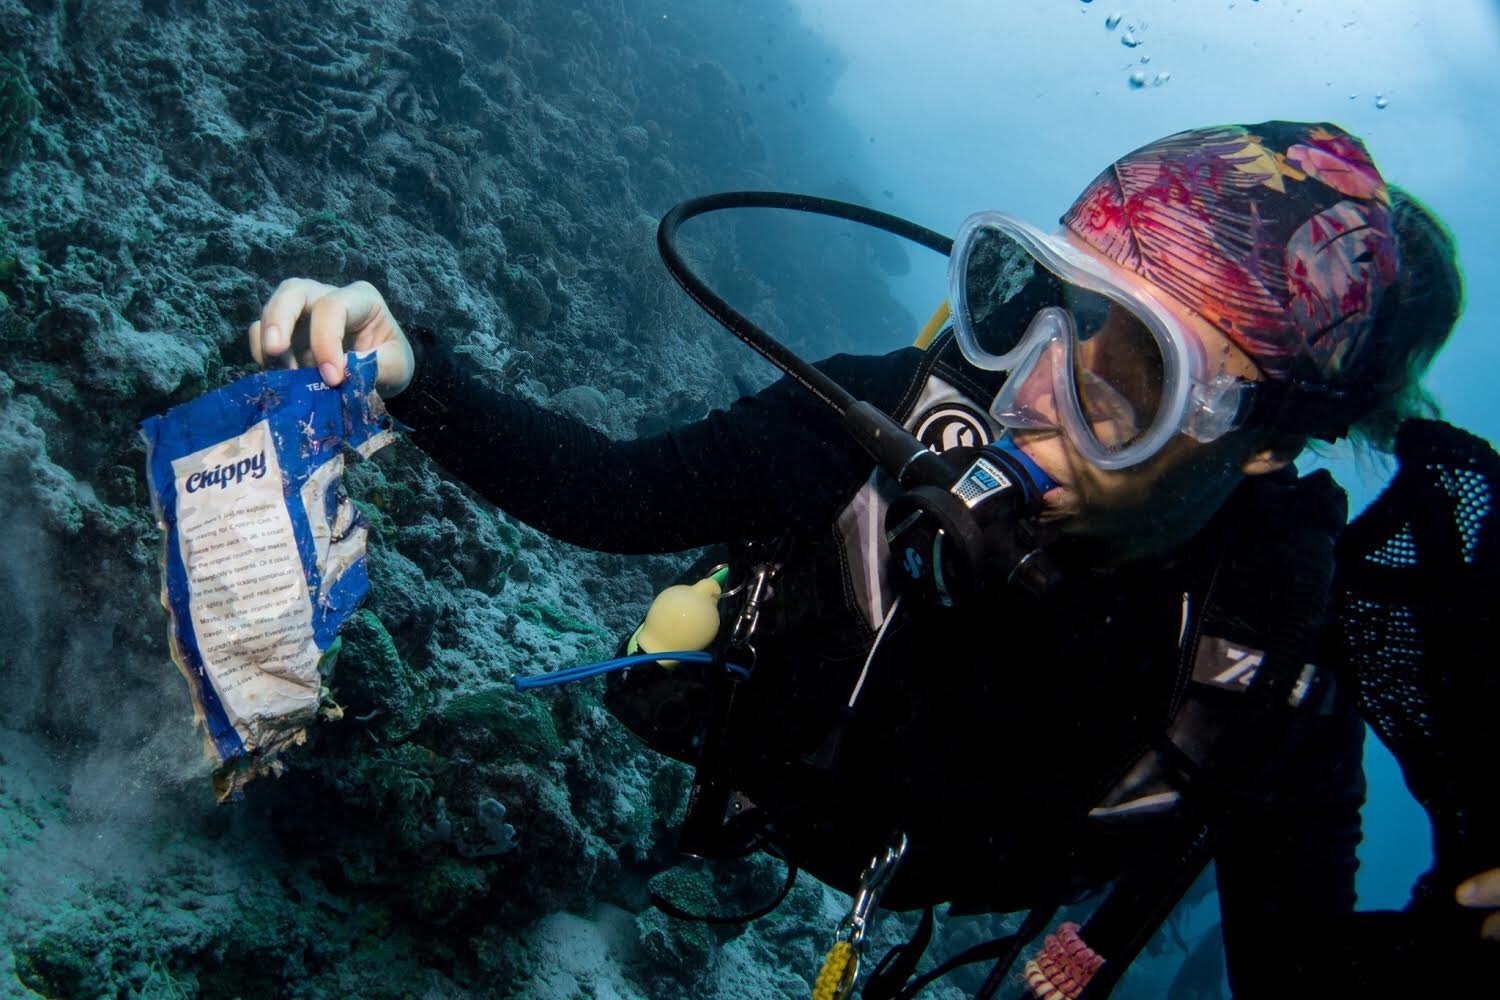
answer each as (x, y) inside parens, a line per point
(1040, 607)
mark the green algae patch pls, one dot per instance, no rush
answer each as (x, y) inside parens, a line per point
(519, 722)
(374, 681)
(555, 621)
(681, 950)
(53, 967)
(380, 524)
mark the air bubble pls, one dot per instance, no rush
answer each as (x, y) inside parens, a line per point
(1138, 78)
(1381, 102)
(1145, 60)
(1161, 78)
(1113, 21)
(1129, 40)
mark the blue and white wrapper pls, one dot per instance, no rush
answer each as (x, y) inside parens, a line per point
(263, 557)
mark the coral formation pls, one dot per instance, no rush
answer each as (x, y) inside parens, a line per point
(18, 109)
(497, 175)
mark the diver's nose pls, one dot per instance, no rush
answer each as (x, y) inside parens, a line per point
(1029, 395)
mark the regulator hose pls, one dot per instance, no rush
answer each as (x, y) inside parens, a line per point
(887, 442)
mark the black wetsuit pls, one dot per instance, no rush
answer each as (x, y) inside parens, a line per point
(778, 463)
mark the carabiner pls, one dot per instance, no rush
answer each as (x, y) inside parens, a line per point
(877, 875)
(758, 589)
(848, 940)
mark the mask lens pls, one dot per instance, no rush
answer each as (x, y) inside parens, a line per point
(1083, 355)
(1027, 400)
(1118, 370)
(1004, 287)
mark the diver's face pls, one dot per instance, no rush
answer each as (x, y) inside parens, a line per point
(1163, 502)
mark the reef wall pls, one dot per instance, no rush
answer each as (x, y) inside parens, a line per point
(496, 169)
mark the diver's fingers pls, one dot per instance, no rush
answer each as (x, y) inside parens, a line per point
(264, 357)
(394, 367)
(255, 351)
(329, 317)
(280, 314)
(369, 317)
(354, 312)
(1491, 927)
(1483, 890)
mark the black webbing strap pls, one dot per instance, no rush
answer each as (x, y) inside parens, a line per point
(1138, 905)
(889, 979)
(900, 963)
(1237, 771)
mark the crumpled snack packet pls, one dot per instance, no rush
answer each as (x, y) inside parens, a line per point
(263, 557)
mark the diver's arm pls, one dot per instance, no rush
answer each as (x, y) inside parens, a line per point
(774, 462)
(1286, 872)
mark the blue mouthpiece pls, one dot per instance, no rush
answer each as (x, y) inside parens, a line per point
(1037, 482)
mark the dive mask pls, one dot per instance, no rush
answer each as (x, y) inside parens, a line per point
(1099, 359)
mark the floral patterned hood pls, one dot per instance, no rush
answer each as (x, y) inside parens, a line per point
(1280, 234)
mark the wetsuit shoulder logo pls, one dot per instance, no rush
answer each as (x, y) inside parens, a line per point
(952, 425)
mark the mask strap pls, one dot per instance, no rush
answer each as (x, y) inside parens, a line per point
(1321, 411)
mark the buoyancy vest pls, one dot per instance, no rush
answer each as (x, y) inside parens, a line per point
(1028, 749)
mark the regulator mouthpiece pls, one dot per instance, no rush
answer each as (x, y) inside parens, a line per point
(948, 544)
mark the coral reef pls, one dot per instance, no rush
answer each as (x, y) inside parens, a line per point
(497, 173)
(17, 112)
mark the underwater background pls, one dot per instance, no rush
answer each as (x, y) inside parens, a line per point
(497, 169)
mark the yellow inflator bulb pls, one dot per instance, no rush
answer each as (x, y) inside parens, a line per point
(681, 618)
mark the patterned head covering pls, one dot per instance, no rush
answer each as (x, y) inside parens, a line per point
(1280, 234)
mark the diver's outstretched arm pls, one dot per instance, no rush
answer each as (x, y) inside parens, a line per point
(773, 463)
(770, 464)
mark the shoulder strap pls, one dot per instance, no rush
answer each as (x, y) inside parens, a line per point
(1251, 626)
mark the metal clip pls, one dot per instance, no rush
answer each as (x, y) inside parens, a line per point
(758, 589)
(872, 883)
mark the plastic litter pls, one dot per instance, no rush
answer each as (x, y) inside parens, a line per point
(263, 556)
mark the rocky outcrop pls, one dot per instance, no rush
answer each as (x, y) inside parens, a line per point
(496, 170)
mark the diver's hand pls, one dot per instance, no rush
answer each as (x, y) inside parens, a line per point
(1482, 892)
(354, 317)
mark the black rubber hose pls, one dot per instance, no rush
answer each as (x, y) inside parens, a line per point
(737, 323)
(887, 441)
